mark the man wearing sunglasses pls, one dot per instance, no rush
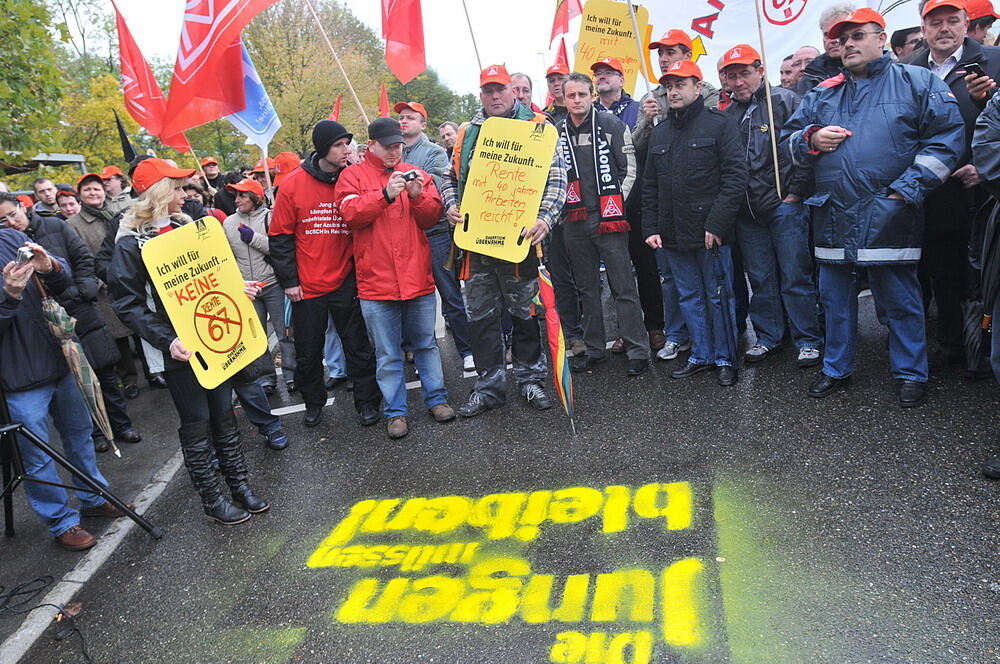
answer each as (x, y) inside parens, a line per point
(950, 209)
(879, 137)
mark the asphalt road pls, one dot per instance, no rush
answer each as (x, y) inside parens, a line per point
(684, 523)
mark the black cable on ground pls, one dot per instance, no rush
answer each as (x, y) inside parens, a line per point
(24, 594)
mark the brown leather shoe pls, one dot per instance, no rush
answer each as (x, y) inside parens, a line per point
(618, 346)
(657, 339)
(397, 427)
(443, 412)
(105, 510)
(76, 539)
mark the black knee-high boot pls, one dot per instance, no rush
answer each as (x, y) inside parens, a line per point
(233, 465)
(196, 444)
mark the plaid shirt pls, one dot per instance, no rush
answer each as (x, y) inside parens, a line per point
(555, 187)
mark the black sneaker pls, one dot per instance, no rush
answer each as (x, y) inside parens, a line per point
(474, 406)
(277, 440)
(536, 396)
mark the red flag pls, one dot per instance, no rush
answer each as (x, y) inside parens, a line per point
(403, 32)
(561, 57)
(566, 10)
(335, 113)
(383, 102)
(143, 97)
(206, 83)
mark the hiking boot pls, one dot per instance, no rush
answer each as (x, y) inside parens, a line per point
(442, 412)
(656, 339)
(397, 427)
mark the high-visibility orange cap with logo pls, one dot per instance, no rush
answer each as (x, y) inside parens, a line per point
(151, 171)
(494, 74)
(110, 171)
(249, 185)
(89, 176)
(259, 167)
(610, 63)
(859, 17)
(557, 68)
(208, 161)
(683, 69)
(673, 38)
(287, 162)
(741, 54)
(937, 4)
(980, 9)
(414, 106)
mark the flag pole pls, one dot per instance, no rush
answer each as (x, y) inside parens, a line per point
(473, 35)
(642, 51)
(267, 171)
(200, 169)
(770, 105)
(333, 51)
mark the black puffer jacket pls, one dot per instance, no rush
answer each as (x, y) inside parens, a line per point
(817, 71)
(29, 354)
(135, 299)
(695, 178)
(755, 138)
(80, 298)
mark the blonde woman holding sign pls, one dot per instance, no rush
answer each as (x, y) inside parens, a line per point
(208, 427)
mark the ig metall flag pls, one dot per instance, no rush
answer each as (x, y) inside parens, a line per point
(258, 120)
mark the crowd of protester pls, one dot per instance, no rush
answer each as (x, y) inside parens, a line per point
(709, 211)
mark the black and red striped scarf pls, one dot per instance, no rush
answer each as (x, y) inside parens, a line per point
(611, 204)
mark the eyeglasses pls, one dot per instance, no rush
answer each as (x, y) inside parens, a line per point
(856, 36)
(10, 216)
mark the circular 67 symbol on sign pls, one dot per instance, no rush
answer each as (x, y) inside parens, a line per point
(218, 322)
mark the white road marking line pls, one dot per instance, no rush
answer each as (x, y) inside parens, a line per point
(15, 647)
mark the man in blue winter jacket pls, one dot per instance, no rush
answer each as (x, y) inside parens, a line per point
(879, 136)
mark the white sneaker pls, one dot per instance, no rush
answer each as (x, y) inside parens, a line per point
(669, 350)
(468, 363)
(756, 353)
(809, 357)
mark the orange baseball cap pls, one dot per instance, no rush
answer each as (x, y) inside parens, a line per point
(935, 4)
(557, 68)
(286, 163)
(683, 69)
(673, 38)
(208, 160)
(89, 176)
(494, 74)
(980, 9)
(741, 54)
(859, 17)
(27, 201)
(151, 171)
(110, 171)
(611, 63)
(249, 185)
(414, 106)
(259, 167)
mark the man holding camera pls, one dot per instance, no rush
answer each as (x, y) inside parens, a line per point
(37, 383)
(388, 204)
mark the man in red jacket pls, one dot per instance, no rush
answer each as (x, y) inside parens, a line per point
(387, 204)
(313, 258)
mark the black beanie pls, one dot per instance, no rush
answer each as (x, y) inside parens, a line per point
(325, 133)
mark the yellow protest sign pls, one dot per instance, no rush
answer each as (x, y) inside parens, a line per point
(195, 274)
(606, 32)
(510, 166)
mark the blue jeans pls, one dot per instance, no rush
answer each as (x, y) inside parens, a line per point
(776, 257)
(333, 352)
(256, 407)
(706, 303)
(390, 323)
(62, 400)
(896, 290)
(673, 328)
(450, 290)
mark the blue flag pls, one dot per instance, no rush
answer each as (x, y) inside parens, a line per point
(258, 120)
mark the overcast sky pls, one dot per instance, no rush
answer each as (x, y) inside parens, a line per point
(502, 33)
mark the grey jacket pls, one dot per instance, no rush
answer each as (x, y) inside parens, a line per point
(433, 159)
(252, 258)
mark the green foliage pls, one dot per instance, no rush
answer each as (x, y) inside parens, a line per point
(441, 103)
(30, 82)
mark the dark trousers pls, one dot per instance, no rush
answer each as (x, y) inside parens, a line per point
(114, 400)
(309, 318)
(647, 277)
(196, 404)
(944, 264)
(567, 296)
(126, 362)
